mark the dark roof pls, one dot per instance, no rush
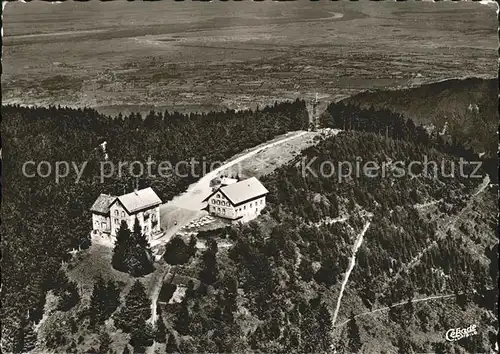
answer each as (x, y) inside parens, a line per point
(102, 204)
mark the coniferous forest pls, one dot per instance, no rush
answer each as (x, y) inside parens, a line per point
(44, 219)
(275, 289)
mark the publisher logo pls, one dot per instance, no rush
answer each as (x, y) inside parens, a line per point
(455, 334)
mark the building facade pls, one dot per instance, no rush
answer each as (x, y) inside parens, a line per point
(243, 200)
(108, 212)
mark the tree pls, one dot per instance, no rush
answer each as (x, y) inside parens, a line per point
(141, 337)
(328, 272)
(171, 345)
(136, 311)
(409, 310)
(29, 338)
(306, 270)
(161, 330)
(104, 343)
(325, 327)
(183, 320)
(192, 245)
(353, 335)
(103, 301)
(176, 251)
(132, 253)
(209, 273)
(122, 245)
(67, 291)
(404, 345)
(69, 297)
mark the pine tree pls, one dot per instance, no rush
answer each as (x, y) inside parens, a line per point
(29, 338)
(69, 296)
(138, 238)
(353, 335)
(161, 330)
(112, 297)
(98, 303)
(132, 253)
(136, 311)
(192, 246)
(209, 273)
(306, 270)
(140, 261)
(67, 291)
(141, 337)
(122, 246)
(325, 327)
(171, 345)
(183, 320)
(104, 343)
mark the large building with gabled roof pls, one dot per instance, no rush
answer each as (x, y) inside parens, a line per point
(243, 200)
(109, 211)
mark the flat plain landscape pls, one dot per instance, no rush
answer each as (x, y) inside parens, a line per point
(196, 56)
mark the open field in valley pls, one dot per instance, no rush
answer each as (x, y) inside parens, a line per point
(191, 56)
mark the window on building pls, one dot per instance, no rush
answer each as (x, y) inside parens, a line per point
(250, 205)
(117, 221)
(97, 224)
(244, 206)
(218, 195)
(213, 201)
(261, 201)
(116, 212)
(103, 225)
(123, 214)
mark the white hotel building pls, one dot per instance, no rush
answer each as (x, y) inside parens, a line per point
(243, 200)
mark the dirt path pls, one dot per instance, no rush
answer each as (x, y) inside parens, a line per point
(329, 221)
(440, 234)
(154, 291)
(357, 244)
(428, 204)
(187, 206)
(192, 202)
(429, 298)
(192, 199)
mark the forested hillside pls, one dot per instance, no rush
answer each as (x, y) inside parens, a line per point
(465, 110)
(276, 289)
(427, 260)
(347, 116)
(43, 219)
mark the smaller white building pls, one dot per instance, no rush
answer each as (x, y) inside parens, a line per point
(108, 212)
(243, 200)
(226, 181)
